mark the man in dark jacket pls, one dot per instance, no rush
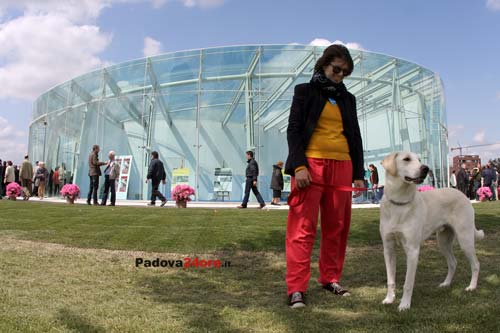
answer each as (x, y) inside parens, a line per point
(156, 173)
(94, 173)
(489, 177)
(1, 183)
(462, 180)
(252, 172)
(277, 183)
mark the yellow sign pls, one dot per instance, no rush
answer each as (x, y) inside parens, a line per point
(180, 176)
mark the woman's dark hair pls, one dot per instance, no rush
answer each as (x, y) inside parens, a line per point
(250, 153)
(331, 52)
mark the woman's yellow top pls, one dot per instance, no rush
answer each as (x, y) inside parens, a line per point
(327, 140)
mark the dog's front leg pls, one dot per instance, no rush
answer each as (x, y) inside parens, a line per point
(390, 266)
(412, 252)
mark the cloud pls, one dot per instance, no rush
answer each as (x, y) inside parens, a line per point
(151, 47)
(326, 42)
(493, 4)
(488, 153)
(53, 41)
(77, 11)
(12, 142)
(498, 95)
(33, 47)
(454, 133)
(479, 137)
(202, 3)
(158, 3)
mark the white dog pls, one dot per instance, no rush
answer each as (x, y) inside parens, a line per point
(409, 217)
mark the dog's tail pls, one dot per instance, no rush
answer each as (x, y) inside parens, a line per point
(479, 234)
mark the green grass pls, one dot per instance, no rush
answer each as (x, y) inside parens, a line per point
(71, 268)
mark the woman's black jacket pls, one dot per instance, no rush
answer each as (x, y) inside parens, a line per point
(307, 105)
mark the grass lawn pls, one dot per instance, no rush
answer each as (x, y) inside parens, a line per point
(71, 268)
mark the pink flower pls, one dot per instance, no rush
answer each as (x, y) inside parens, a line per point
(182, 193)
(484, 193)
(424, 188)
(70, 190)
(13, 190)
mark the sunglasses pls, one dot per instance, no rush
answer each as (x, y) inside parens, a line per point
(336, 69)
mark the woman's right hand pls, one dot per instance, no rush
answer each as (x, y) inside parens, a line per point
(303, 178)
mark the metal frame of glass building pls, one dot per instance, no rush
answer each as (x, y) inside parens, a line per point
(202, 109)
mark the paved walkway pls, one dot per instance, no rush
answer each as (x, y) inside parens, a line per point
(191, 204)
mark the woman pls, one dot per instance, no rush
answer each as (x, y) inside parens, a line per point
(56, 181)
(277, 183)
(476, 179)
(374, 182)
(10, 175)
(453, 179)
(325, 148)
(41, 177)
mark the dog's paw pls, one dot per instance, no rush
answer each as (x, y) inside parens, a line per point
(403, 306)
(388, 300)
(444, 285)
(470, 288)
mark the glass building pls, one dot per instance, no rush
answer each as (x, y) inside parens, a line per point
(202, 109)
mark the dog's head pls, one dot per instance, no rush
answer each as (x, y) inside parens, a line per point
(406, 166)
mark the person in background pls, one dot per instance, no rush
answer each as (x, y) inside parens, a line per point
(277, 183)
(62, 175)
(51, 183)
(470, 184)
(251, 172)
(41, 179)
(374, 182)
(16, 175)
(324, 149)
(111, 173)
(498, 182)
(157, 174)
(94, 173)
(453, 179)
(1, 182)
(26, 176)
(35, 187)
(462, 180)
(494, 184)
(476, 181)
(56, 181)
(489, 178)
(10, 175)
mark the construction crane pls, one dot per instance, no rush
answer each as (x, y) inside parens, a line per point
(473, 146)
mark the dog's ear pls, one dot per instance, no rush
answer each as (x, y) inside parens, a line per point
(389, 164)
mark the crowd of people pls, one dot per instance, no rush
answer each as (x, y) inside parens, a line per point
(469, 181)
(36, 180)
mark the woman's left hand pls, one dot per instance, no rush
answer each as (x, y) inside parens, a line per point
(359, 183)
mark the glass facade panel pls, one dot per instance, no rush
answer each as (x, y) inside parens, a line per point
(202, 109)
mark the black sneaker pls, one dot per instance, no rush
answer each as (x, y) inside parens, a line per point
(337, 289)
(151, 204)
(296, 300)
(163, 203)
(262, 206)
(241, 207)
